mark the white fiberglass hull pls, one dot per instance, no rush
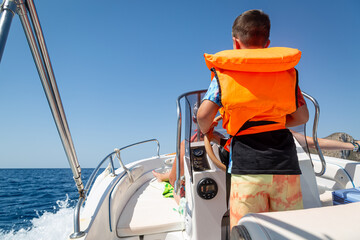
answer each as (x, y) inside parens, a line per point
(118, 208)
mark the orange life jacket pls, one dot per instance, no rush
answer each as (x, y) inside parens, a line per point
(257, 87)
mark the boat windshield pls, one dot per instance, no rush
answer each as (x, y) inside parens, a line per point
(192, 130)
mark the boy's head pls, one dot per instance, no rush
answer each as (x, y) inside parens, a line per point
(251, 30)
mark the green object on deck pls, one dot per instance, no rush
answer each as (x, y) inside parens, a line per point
(168, 190)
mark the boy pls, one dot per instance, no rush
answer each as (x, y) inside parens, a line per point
(256, 108)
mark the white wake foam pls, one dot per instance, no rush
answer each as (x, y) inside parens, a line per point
(48, 226)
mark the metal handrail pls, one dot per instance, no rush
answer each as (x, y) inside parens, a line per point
(110, 157)
(145, 141)
(315, 127)
(96, 170)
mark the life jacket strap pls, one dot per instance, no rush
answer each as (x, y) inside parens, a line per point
(248, 124)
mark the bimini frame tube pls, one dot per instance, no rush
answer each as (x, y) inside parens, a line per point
(7, 11)
(42, 61)
(43, 64)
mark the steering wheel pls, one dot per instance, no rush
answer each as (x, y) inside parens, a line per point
(210, 151)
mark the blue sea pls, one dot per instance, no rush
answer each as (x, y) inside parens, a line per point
(37, 203)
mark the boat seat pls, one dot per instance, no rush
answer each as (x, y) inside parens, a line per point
(148, 212)
(332, 222)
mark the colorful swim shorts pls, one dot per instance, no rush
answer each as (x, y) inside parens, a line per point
(263, 193)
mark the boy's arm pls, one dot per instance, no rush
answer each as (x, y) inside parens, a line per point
(206, 114)
(300, 116)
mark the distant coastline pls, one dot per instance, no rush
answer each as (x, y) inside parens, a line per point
(345, 154)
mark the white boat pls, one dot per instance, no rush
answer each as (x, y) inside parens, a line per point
(128, 203)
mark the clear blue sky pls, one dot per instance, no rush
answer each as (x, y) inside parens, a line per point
(121, 65)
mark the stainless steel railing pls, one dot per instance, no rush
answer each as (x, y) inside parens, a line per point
(315, 127)
(110, 157)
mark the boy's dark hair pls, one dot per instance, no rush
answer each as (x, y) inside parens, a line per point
(252, 28)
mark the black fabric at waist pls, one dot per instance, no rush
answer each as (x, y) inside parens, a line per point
(272, 152)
